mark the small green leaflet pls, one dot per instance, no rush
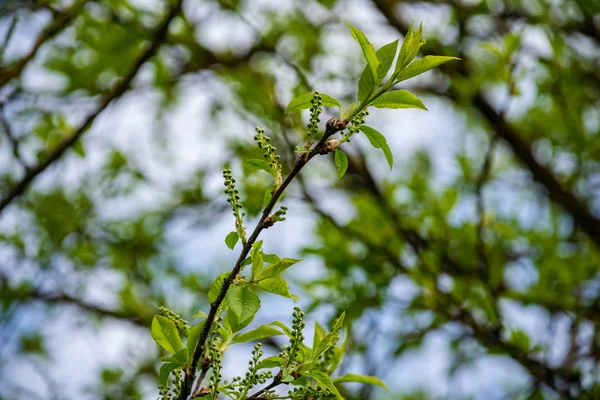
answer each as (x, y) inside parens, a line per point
(277, 285)
(341, 161)
(261, 332)
(269, 362)
(243, 302)
(165, 370)
(410, 47)
(325, 380)
(386, 56)
(422, 65)
(193, 337)
(255, 165)
(367, 49)
(303, 102)
(216, 286)
(349, 113)
(378, 141)
(277, 268)
(165, 333)
(369, 380)
(366, 84)
(257, 258)
(398, 99)
(199, 315)
(231, 239)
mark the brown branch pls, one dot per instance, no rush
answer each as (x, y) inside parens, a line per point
(117, 91)
(59, 24)
(276, 382)
(301, 161)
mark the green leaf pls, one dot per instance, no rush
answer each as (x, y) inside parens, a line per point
(165, 371)
(422, 65)
(178, 358)
(341, 161)
(318, 335)
(339, 322)
(193, 337)
(366, 84)
(165, 333)
(398, 99)
(268, 196)
(367, 49)
(199, 315)
(257, 258)
(216, 286)
(410, 47)
(326, 381)
(369, 380)
(338, 354)
(255, 165)
(378, 141)
(349, 113)
(386, 56)
(269, 362)
(283, 327)
(277, 285)
(326, 342)
(261, 332)
(231, 239)
(276, 269)
(304, 101)
(243, 302)
(78, 148)
(271, 258)
(234, 323)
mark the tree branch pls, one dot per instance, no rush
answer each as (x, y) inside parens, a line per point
(117, 91)
(59, 24)
(301, 161)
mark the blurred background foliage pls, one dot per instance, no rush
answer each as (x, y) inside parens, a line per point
(471, 270)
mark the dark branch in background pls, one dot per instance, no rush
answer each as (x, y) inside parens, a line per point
(14, 142)
(119, 89)
(6, 40)
(59, 24)
(301, 161)
(557, 379)
(578, 210)
(481, 180)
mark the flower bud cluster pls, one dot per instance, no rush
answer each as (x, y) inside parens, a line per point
(233, 198)
(297, 338)
(270, 153)
(179, 322)
(165, 393)
(301, 393)
(315, 111)
(216, 359)
(253, 377)
(355, 123)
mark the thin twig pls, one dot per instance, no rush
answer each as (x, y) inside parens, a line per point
(301, 161)
(59, 24)
(14, 142)
(9, 33)
(276, 382)
(119, 89)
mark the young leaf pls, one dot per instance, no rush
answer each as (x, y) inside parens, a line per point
(257, 258)
(318, 335)
(231, 239)
(367, 49)
(422, 65)
(216, 286)
(400, 64)
(349, 113)
(341, 161)
(165, 333)
(199, 315)
(378, 141)
(243, 302)
(165, 371)
(410, 47)
(255, 165)
(178, 358)
(325, 380)
(303, 102)
(269, 362)
(386, 56)
(369, 380)
(277, 268)
(261, 332)
(268, 196)
(234, 324)
(277, 285)
(271, 258)
(193, 337)
(328, 340)
(366, 84)
(339, 322)
(398, 99)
